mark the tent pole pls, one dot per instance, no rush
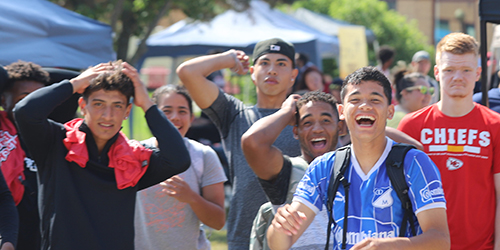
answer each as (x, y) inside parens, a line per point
(484, 72)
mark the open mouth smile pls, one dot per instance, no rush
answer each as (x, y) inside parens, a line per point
(318, 142)
(365, 120)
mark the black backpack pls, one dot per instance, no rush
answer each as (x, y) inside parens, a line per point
(395, 170)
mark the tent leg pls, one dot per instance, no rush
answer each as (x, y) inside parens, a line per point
(484, 72)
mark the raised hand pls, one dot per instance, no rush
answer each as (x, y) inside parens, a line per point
(82, 81)
(141, 97)
(241, 61)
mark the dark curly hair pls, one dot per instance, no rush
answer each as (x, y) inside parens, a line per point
(115, 80)
(26, 71)
(170, 88)
(316, 96)
(368, 73)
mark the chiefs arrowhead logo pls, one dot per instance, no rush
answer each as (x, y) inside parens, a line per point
(453, 163)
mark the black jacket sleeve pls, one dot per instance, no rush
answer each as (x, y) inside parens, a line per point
(31, 117)
(9, 220)
(172, 157)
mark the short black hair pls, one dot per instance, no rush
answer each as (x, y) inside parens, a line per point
(170, 88)
(26, 71)
(385, 53)
(368, 73)
(110, 81)
(316, 96)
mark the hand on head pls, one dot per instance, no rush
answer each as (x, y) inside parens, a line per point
(82, 81)
(141, 96)
(289, 106)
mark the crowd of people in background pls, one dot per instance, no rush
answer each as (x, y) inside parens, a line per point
(311, 164)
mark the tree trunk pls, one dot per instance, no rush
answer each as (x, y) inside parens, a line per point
(129, 24)
(142, 48)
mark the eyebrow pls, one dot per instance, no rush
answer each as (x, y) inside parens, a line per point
(169, 106)
(322, 114)
(99, 100)
(373, 93)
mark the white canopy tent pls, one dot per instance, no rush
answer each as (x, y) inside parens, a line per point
(240, 30)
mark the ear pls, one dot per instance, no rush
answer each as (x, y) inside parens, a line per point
(341, 128)
(295, 132)
(192, 118)
(390, 112)
(341, 112)
(436, 73)
(251, 70)
(82, 104)
(129, 107)
(478, 73)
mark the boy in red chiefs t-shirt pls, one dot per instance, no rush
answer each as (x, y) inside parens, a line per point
(463, 140)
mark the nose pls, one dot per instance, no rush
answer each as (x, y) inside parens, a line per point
(173, 116)
(272, 70)
(108, 112)
(317, 128)
(365, 105)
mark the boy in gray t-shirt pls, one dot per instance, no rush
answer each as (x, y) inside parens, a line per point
(273, 74)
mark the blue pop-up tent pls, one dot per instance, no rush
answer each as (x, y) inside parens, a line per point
(240, 30)
(49, 35)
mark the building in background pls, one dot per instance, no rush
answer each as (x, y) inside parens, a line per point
(437, 18)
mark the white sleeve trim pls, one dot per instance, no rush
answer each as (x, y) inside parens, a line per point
(431, 206)
(307, 203)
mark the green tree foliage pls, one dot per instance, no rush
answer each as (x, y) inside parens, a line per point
(140, 17)
(389, 27)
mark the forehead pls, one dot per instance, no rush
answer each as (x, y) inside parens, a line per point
(273, 57)
(449, 59)
(421, 82)
(173, 99)
(316, 108)
(365, 87)
(111, 96)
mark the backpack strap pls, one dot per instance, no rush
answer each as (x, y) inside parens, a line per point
(340, 164)
(395, 171)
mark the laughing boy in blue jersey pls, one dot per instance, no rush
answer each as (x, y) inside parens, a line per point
(374, 209)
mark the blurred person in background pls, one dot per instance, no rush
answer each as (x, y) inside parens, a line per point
(421, 63)
(413, 92)
(310, 80)
(168, 215)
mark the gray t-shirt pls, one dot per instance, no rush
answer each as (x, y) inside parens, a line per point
(161, 221)
(233, 118)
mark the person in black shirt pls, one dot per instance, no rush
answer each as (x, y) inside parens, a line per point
(88, 171)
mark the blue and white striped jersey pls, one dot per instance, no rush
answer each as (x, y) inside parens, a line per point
(375, 210)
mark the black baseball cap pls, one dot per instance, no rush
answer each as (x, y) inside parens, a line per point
(274, 45)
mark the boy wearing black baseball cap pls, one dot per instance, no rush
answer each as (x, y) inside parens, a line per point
(273, 74)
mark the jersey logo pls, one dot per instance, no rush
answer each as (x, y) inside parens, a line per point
(382, 198)
(7, 144)
(432, 190)
(453, 163)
